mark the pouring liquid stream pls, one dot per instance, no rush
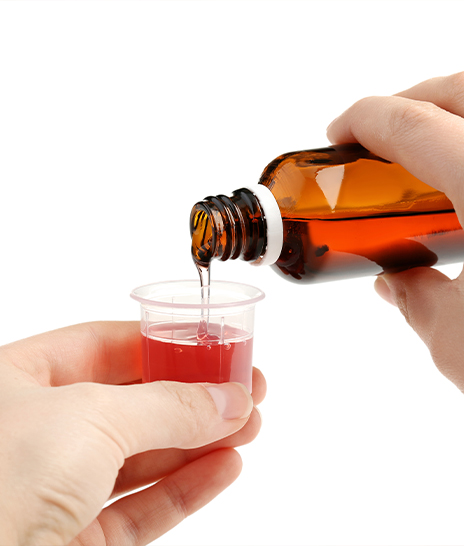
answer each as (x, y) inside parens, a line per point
(202, 254)
(204, 272)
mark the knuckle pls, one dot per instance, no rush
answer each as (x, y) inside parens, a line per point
(133, 530)
(410, 118)
(188, 405)
(98, 417)
(91, 397)
(62, 515)
(175, 499)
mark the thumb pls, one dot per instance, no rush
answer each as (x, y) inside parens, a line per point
(433, 305)
(166, 414)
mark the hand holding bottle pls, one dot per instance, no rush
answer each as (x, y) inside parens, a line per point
(74, 433)
(422, 129)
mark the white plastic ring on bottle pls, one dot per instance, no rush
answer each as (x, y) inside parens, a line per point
(274, 225)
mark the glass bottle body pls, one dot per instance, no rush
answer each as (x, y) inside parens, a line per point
(348, 213)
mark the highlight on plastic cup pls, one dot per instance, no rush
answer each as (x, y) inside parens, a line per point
(185, 338)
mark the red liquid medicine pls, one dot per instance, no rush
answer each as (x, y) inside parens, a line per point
(179, 352)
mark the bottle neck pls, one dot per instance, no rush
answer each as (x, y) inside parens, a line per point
(247, 225)
(227, 228)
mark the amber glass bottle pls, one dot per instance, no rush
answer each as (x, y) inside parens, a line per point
(328, 214)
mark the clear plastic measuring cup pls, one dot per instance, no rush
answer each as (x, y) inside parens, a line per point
(186, 340)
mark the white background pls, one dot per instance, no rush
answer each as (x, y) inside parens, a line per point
(115, 117)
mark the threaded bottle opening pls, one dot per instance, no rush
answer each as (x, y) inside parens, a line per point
(227, 228)
(203, 234)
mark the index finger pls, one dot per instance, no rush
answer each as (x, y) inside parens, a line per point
(101, 352)
(422, 137)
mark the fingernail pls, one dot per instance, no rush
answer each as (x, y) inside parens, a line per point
(233, 401)
(383, 290)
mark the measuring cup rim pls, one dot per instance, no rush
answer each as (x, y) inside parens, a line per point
(246, 301)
